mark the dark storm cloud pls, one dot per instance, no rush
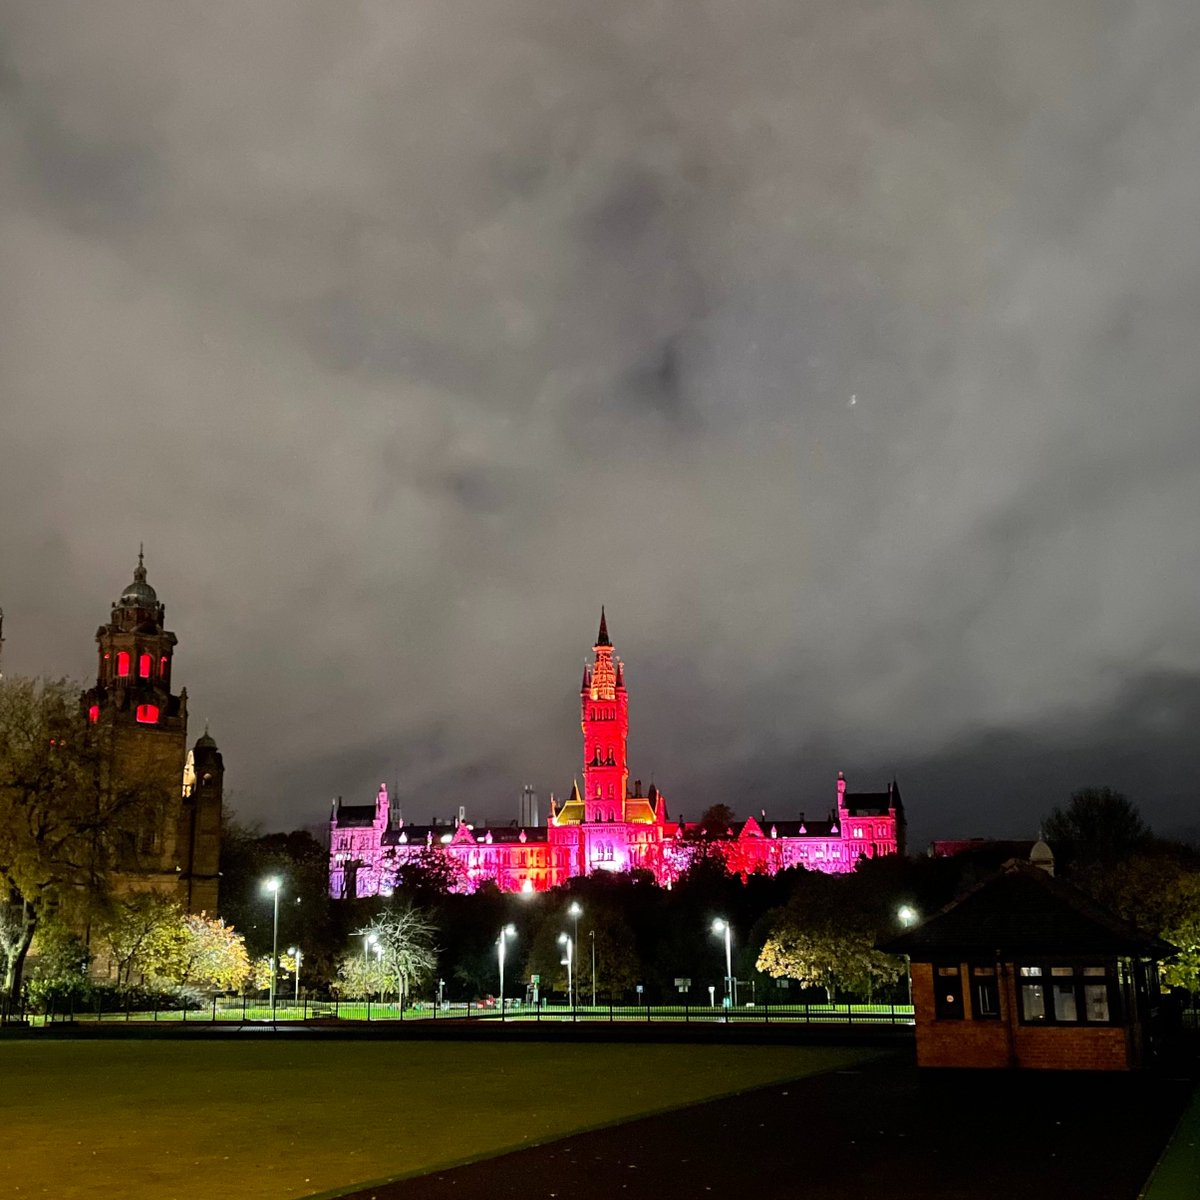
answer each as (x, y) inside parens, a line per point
(846, 351)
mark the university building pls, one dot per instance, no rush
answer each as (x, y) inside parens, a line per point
(177, 852)
(609, 824)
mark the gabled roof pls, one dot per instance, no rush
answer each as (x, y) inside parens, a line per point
(572, 811)
(1024, 911)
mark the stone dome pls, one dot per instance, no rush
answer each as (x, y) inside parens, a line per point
(139, 594)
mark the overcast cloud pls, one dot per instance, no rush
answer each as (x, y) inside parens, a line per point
(849, 352)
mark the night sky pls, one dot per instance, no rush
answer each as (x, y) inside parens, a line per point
(848, 352)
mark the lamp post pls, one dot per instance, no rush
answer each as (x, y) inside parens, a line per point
(564, 940)
(908, 917)
(296, 953)
(574, 911)
(722, 926)
(505, 933)
(592, 935)
(272, 885)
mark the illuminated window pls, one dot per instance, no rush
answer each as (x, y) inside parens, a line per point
(147, 714)
(123, 664)
(145, 666)
(162, 667)
(94, 713)
(1068, 995)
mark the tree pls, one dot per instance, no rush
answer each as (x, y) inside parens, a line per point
(617, 967)
(827, 953)
(200, 954)
(1098, 825)
(400, 953)
(137, 931)
(67, 819)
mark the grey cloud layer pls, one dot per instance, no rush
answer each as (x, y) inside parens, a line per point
(845, 350)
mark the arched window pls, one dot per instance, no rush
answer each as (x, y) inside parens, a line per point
(145, 666)
(123, 664)
(162, 667)
(147, 714)
(94, 713)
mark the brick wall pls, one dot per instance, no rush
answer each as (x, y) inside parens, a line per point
(1005, 1042)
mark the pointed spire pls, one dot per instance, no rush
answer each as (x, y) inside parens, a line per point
(602, 636)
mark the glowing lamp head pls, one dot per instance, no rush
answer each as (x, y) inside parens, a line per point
(576, 909)
(719, 926)
(907, 915)
(509, 931)
(563, 939)
(272, 885)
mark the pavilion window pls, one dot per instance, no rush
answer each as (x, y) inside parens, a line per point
(948, 992)
(985, 993)
(1068, 994)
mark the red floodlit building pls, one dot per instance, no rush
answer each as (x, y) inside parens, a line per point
(607, 825)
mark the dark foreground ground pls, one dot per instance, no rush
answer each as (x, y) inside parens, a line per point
(873, 1131)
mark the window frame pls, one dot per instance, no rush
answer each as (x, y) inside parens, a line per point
(1079, 976)
(942, 1010)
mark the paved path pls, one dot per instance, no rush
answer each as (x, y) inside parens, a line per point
(874, 1131)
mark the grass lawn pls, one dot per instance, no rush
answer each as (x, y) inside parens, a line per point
(267, 1120)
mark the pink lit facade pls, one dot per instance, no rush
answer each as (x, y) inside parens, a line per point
(607, 825)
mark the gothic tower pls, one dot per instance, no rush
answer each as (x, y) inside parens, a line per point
(604, 718)
(176, 850)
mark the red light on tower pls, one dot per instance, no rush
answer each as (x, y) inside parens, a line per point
(94, 714)
(147, 714)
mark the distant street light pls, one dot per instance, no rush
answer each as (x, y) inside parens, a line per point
(908, 916)
(592, 935)
(505, 933)
(575, 910)
(722, 926)
(273, 885)
(295, 952)
(564, 940)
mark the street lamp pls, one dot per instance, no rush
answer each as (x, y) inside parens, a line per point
(505, 933)
(722, 926)
(273, 885)
(564, 940)
(592, 935)
(907, 916)
(296, 954)
(574, 911)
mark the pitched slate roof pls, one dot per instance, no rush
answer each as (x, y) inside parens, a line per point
(873, 804)
(355, 816)
(1024, 911)
(420, 835)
